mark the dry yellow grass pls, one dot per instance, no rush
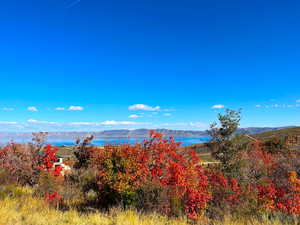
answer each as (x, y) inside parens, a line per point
(32, 211)
(26, 210)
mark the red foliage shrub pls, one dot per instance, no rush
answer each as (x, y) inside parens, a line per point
(20, 162)
(226, 192)
(53, 198)
(24, 162)
(126, 168)
(48, 157)
(57, 171)
(269, 180)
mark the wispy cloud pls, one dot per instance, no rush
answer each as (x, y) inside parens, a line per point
(105, 123)
(298, 100)
(144, 107)
(198, 124)
(10, 126)
(8, 123)
(60, 108)
(218, 106)
(133, 116)
(8, 109)
(32, 109)
(274, 106)
(169, 110)
(167, 114)
(32, 121)
(38, 125)
(83, 124)
(113, 122)
(75, 108)
(185, 125)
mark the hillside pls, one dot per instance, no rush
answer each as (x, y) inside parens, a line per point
(203, 151)
(137, 133)
(277, 133)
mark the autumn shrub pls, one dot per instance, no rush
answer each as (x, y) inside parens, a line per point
(32, 165)
(24, 163)
(268, 178)
(20, 163)
(226, 194)
(126, 173)
(159, 176)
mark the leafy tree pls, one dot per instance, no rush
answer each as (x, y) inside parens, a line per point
(225, 144)
(82, 152)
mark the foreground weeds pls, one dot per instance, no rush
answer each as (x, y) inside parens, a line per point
(20, 208)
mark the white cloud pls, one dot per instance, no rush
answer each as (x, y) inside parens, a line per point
(133, 116)
(186, 125)
(105, 123)
(75, 108)
(144, 107)
(167, 114)
(113, 122)
(32, 121)
(198, 124)
(59, 108)
(298, 100)
(178, 124)
(218, 106)
(32, 109)
(169, 110)
(8, 123)
(8, 109)
(83, 124)
(282, 106)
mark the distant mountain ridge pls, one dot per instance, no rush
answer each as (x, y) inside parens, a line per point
(138, 133)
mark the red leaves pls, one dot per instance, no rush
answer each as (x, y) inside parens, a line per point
(53, 198)
(223, 189)
(158, 161)
(272, 195)
(266, 195)
(179, 172)
(57, 171)
(49, 157)
(24, 163)
(279, 199)
(195, 201)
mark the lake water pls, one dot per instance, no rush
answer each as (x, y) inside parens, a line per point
(104, 141)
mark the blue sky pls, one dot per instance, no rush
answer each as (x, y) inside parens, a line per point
(94, 65)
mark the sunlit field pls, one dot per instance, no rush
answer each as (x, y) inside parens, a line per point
(26, 210)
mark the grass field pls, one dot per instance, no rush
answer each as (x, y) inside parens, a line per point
(66, 152)
(23, 209)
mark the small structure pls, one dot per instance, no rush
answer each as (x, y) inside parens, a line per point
(65, 168)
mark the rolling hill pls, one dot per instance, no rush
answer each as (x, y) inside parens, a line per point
(277, 133)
